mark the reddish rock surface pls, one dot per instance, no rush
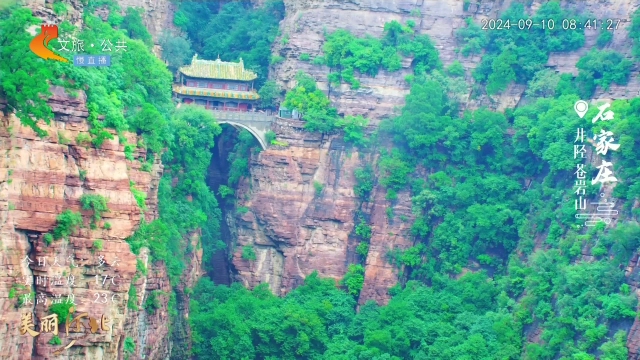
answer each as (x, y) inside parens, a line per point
(295, 231)
(39, 179)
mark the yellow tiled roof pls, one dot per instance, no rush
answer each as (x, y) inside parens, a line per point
(228, 94)
(216, 69)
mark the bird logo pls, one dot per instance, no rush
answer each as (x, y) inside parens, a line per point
(39, 43)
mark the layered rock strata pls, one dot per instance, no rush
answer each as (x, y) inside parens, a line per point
(39, 179)
(300, 217)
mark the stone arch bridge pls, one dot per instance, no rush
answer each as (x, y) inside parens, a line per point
(256, 123)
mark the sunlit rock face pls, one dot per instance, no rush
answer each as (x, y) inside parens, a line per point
(39, 179)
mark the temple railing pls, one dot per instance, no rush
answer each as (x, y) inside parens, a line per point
(222, 115)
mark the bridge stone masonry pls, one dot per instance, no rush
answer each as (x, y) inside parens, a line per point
(256, 123)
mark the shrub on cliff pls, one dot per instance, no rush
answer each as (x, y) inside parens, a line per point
(312, 104)
(248, 253)
(353, 280)
(132, 23)
(602, 68)
(66, 224)
(153, 303)
(186, 161)
(472, 37)
(62, 310)
(113, 92)
(97, 203)
(348, 53)
(139, 195)
(365, 179)
(515, 55)
(353, 127)
(129, 347)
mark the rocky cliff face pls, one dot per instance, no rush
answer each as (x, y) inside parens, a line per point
(295, 231)
(306, 22)
(39, 179)
(157, 16)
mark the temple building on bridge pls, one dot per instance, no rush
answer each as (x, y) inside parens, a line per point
(217, 85)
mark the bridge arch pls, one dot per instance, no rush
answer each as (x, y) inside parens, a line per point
(257, 133)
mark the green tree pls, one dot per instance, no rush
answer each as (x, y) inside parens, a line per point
(602, 68)
(455, 69)
(312, 104)
(353, 127)
(616, 348)
(544, 84)
(269, 93)
(472, 37)
(24, 77)
(364, 182)
(176, 50)
(62, 310)
(134, 26)
(66, 224)
(353, 280)
(604, 38)
(502, 72)
(95, 202)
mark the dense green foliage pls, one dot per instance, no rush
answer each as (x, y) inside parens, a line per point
(472, 38)
(364, 182)
(476, 176)
(55, 340)
(353, 127)
(353, 280)
(602, 68)
(139, 195)
(450, 320)
(491, 193)
(514, 55)
(153, 302)
(348, 53)
(132, 23)
(239, 156)
(312, 104)
(187, 160)
(627, 129)
(129, 347)
(176, 50)
(315, 108)
(232, 31)
(269, 92)
(133, 93)
(22, 74)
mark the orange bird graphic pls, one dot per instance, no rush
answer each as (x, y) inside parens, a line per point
(39, 43)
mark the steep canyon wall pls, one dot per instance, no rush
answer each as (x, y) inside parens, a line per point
(39, 179)
(295, 231)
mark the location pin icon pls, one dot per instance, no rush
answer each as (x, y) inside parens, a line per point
(581, 108)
